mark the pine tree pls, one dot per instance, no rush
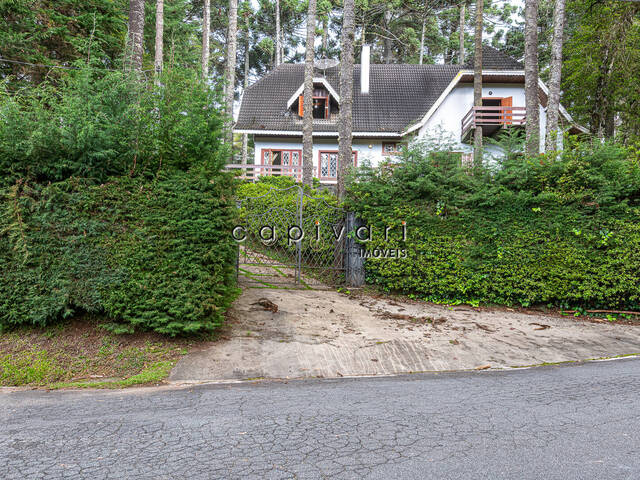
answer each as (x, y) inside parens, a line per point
(230, 74)
(206, 31)
(278, 35)
(477, 81)
(553, 103)
(345, 149)
(461, 34)
(159, 38)
(247, 64)
(135, 38)
(532, 127)
(307, 122)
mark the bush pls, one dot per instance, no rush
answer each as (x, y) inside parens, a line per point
(560, 231)
(96, 125)
(148, 255)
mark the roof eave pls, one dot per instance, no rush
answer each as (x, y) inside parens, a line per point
(298, 133)
(321, 80)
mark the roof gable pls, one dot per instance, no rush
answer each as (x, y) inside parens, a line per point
(316, 81)
(399, 96)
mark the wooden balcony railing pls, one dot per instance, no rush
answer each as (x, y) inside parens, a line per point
(493, 117)
(252, 172)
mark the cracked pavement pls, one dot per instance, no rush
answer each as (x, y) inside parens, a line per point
(564, 422)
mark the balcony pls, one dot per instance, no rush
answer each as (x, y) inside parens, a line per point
(492, 119)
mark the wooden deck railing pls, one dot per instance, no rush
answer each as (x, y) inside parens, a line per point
(493, 116)
(252, 172)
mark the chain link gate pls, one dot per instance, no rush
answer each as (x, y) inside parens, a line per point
(290, 238)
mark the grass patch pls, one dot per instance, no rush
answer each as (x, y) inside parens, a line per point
(81, 354)
(153, 374)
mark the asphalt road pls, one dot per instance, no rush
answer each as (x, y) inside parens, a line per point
(564, 422)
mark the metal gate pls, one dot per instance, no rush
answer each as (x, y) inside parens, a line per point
(289, 238)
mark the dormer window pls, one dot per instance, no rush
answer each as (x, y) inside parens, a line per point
(321, 104)
(320, 107)
(325, 100)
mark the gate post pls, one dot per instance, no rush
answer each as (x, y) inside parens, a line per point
(353, 262)
(299, 244)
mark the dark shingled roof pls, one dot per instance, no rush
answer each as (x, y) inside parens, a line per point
(493, 59)
(399, 95)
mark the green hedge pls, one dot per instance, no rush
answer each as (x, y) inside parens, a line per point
(562, 232)
(147, 255)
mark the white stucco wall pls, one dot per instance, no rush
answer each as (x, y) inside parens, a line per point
(368, 150)
(448, 117)
(445, 124)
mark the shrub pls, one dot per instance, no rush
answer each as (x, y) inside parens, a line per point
(557, 231)
(148, 255)
(95, 125)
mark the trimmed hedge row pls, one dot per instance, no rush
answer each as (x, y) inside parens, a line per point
(150, 256)
(564, 232)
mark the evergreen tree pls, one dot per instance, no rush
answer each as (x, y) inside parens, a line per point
(307, 110)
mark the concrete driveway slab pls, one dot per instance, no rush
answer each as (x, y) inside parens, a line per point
(330, 334)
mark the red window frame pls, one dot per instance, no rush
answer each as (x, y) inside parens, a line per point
(292, 173)
(327, 103)
(355, 162)
(395, 151)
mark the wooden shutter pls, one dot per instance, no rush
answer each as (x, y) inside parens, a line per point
(507, 116)
(301, 105)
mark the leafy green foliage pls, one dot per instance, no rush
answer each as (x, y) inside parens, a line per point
(600, 77)
(94, 125)
(59, 33)
(558, 231)
(148, 255)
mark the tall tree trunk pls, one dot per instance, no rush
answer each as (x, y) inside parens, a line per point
(307, 123)
(388, 47)
(278, 35)
(230, 74)
(424, 22)
(206, 29)
(135, 39)
(532, 103)
(159, 38)
(247, 41)
(325, 35)
(461, 34)
(477, 81)
(602, 94)
(345, 149)
(553, 103)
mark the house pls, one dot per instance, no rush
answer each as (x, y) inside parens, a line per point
(392, 105)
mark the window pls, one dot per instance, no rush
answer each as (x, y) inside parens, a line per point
(328, 164)
(320, 107)
(321, 104)
(283, 158)
(391, 148)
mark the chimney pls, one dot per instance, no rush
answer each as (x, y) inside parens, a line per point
(365, 69)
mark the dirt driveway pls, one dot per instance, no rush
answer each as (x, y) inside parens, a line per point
(330, 334)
